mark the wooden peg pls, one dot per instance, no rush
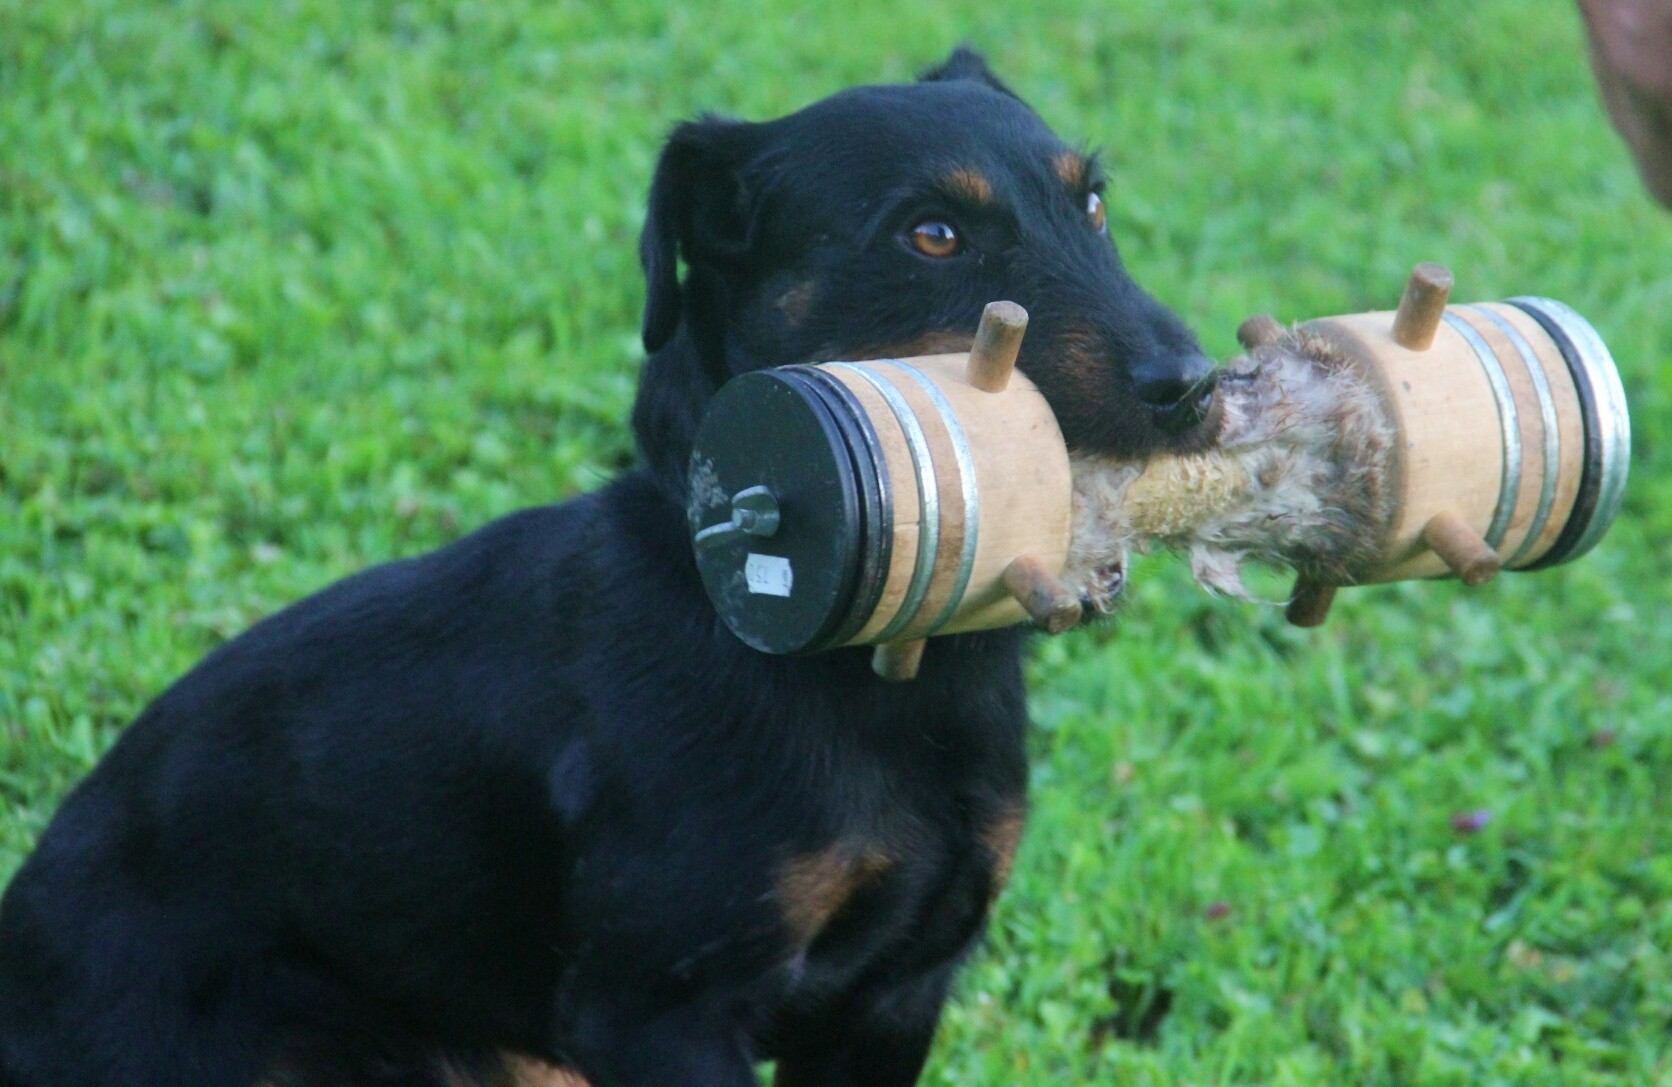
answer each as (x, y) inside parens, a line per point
(1259, 330)
(898, 661)
(1309, 603)
(999, 337)
(1461, 548)
(1053, 606)
(1422, 306)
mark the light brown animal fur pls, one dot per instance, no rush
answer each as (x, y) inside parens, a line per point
(1001, 837)
(514, 1071)
(1302, 476)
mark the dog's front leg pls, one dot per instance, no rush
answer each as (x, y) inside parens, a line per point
(880, 1038)
(687, 1046)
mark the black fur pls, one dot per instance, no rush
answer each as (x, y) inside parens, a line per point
(526, 794)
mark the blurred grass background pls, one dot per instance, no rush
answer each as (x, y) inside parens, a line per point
(294, 287)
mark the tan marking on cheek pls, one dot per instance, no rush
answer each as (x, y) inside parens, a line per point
(1070, 169)
(813, 888)
(1084, 361)
(971, 184)
(1001, 837)
(797, 302)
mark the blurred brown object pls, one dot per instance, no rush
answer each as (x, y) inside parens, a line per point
(1631, 51)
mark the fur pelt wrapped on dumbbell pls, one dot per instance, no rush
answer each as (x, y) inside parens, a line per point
(1429, 441)
(886, 501)
(1302, 474)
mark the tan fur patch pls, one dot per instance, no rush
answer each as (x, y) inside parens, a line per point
(1001, 836)
(812, 889)
(971, 184)
(1083, 360)
(513, 1071)
(1070, 169)
(526, 1072)
(797, 302)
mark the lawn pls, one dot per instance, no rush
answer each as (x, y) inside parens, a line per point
(290, 288)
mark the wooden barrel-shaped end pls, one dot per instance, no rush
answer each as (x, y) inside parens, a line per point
(975, 479)
(881, 502)
(1514, 438)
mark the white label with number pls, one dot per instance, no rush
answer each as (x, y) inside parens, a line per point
(768, 574)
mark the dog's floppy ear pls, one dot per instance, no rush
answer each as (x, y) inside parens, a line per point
(966, 64)
(699, 208)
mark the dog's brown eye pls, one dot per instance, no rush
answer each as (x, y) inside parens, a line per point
(1094, 211)
(935, 238)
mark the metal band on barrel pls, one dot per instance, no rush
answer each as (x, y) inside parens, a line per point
(1612, 419)
(967, 484)
(1552, 436)
(928, 498)
(1509, 486)
(876, 512)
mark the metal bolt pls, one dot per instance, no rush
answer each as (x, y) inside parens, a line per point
(754, 512)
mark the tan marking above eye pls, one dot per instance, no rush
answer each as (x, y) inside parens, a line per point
(1070, 169)
(971, 184)
(1095, 211)
(935, 238)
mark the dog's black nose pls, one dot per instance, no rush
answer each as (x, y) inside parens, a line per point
(1177, 388)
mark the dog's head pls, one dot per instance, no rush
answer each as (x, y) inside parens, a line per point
(879, 222)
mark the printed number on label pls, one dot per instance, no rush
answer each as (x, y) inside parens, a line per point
(769, 574)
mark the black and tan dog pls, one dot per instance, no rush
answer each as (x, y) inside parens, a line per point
(525, 801)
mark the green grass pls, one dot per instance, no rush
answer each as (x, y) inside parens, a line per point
(290, 288)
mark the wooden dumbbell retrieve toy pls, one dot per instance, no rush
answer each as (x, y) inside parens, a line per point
(886, 501)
